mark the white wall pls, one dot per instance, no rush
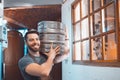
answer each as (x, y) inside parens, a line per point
(81, 72)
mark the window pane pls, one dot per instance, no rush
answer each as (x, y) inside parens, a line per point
(109, 18)
(85, 50)
(107, 1)
(77, 12)
(96, 48)
(97, 25)
(77, 32)
(77, 51)
(110, 47)
(85, 28)
(96, 4)
(84, 4)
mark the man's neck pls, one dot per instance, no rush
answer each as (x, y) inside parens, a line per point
(34, 53)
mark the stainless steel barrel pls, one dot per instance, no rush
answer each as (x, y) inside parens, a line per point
(51, 32)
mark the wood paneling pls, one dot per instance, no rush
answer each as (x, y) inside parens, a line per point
(28, 17)
(12, 54)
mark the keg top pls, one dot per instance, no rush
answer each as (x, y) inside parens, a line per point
(51, 25)
(49, 22)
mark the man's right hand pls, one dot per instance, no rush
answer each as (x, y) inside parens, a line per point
(53, 51)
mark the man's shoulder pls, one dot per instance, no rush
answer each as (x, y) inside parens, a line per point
(25, 58)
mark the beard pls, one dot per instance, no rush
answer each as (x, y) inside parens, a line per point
(34, 49)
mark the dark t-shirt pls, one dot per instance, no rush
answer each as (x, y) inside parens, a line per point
(26, 60)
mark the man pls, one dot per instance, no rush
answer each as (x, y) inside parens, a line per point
(36, 65)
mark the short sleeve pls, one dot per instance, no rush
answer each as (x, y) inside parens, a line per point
(23, 62)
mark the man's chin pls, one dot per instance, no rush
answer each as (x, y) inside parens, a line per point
(35, 50)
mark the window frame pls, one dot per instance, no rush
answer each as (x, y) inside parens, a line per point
(110, 63)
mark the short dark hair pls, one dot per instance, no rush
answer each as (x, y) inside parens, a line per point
(31, 32)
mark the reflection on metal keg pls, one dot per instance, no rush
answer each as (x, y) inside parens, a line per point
(51, 32)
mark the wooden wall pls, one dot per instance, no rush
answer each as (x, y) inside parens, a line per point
(12, 54)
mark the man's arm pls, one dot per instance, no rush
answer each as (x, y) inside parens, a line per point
(61, 57)
(45, 68)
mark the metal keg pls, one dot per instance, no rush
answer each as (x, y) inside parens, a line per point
(51, 32)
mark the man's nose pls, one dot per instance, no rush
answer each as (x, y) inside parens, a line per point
(35, 41)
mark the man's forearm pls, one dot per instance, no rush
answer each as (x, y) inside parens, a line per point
(60, 58)
(47, 66)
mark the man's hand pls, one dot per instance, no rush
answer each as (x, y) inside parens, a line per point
(66, 50)
(53, 51)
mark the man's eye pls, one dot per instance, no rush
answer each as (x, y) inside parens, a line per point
(37, 39)
(30, 39)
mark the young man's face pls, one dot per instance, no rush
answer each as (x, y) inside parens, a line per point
(33, 42)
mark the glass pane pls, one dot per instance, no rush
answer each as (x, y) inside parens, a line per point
(77, 51)
(84, 4)
(110, 47)
(107, 1)
(109, 21)
(96, 48)
(77, 32)
(96, 4)
(85, 28)
(97, 24)
(77, 12)
(85, 50)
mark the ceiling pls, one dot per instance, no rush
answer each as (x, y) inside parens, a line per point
(27, 13)
(16, 3)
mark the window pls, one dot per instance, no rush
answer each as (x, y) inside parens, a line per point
(23, 32)
(95, 30)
